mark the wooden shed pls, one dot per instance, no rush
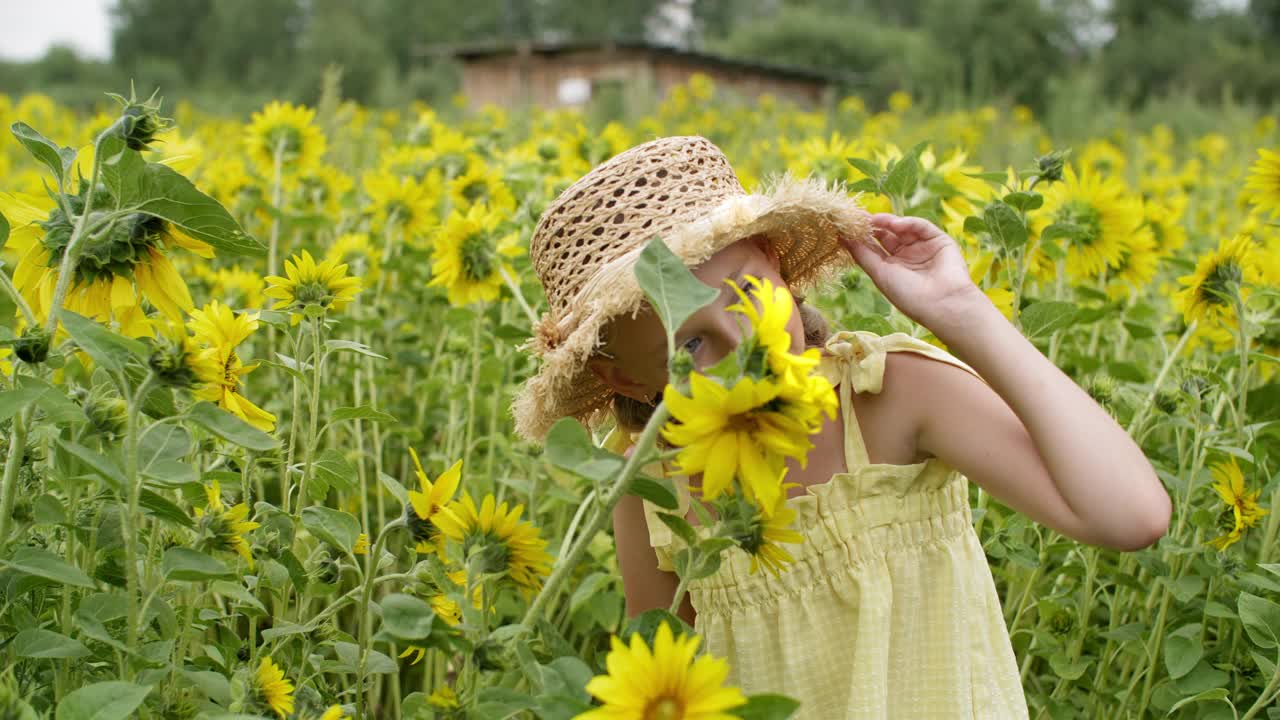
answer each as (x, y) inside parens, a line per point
(573, 74)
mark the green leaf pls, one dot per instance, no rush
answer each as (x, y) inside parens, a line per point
(1042, 318)
(569, 447)
(672, 289)
(59, 408)
(57, 159)
(351, 346)
(766, 706)
(1261, 619)
(160, 443)
(363, 412)
(181, 563)
(331, 470)
(13, 401)
(1182, 650)
(998, 178)
(1066, 668)
(975, 225)
(867, 167)
(161, 191)
(680, 527)
(335, 527)
(1006, 227)
(104, 466)
(904, 174)
(102, 701)
(4, 230)
(406, 617)
(588, 588)
(37, 643)
(1025, 202)
(394, 487)
(1212, 694)
(162, 507)
(230, 428)
(657, 492)
(108, 349)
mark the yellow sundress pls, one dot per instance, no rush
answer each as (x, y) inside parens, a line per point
(890, 609)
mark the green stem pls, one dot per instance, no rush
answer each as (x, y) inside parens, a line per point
(1135, 425)
(69, 256)
(1268, 694)
(308, 450)
(12, 464)
(18, 300)
(133, 490)
(286, 487)
(1243, 343)
(471, 393)
(562, 571)
(362, 613)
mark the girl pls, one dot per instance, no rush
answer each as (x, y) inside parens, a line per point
(890, 608)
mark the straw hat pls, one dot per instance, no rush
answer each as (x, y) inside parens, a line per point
(683, 190)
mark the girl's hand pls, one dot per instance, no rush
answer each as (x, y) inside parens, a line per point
(924, 273)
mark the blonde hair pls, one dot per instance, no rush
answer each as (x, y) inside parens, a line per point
(632, 415)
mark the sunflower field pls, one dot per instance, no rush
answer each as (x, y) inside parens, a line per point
(255, 376)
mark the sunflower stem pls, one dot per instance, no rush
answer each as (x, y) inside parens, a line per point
(308, 451)
(133, 489)
(69, 256)
(362, 612)
(1135, 425)
(1268, 694)
(644, 444)
(12, 464)
(515, 290)
(1242, 342)
(18, 300)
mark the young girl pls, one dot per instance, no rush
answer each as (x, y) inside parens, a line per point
(889, 608)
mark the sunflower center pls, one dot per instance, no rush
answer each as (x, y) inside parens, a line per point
(664, 708)
(229, 377)
(398, 212)
(1084, 218)
(1219, 283)
(285, 139)
(476, 257)
(475, 191)
(746, 422)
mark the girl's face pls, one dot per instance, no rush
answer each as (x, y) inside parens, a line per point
(638, 368)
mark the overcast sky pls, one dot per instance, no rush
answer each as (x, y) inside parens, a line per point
(29, 27)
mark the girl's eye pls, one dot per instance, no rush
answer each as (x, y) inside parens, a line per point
(694, 339)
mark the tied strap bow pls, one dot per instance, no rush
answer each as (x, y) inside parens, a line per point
(856, 360)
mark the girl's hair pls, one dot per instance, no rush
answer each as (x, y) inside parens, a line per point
(632, 415)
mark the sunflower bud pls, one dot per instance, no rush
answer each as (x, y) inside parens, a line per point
(33, 346)
(170, 361)
(1167, 401)
(142, 121)
(681, 365)
(108, 415)
(1051, 165)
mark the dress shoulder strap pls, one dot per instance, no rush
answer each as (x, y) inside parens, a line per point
(854, 361)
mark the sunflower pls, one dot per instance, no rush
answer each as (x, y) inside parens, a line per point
(467, 261)
(237, 286)
(118, 266)
(402, 203)
(226, 527)
(273, 688)
(335, 712)
(1263, 183)
(358, 252)
(426, 505)
(325, 285)
(1242, 509)
(285, 129)
(766, 532)
(321, 189)
(666, 681)
(769, 320)
(1208, 295)
(725, 433)
(444, 698)
(218, 367)
(481, 183)
(361, 546)
(506, 544)
(1097, 213)
(1137, 266)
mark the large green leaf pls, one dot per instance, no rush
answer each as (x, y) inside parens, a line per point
(57, 159)
(1005, 226)
(1261, 619)
(406, 617)
(102, 701)
(42, 563)
(1043, 318)
(230, 428)
(108, 349)
(181, 563)
(335, 527)
(38, 643)
(672, 289)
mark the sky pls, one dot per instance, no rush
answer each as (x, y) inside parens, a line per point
(29, 27)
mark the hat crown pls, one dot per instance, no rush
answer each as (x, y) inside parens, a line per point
(647, 190)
